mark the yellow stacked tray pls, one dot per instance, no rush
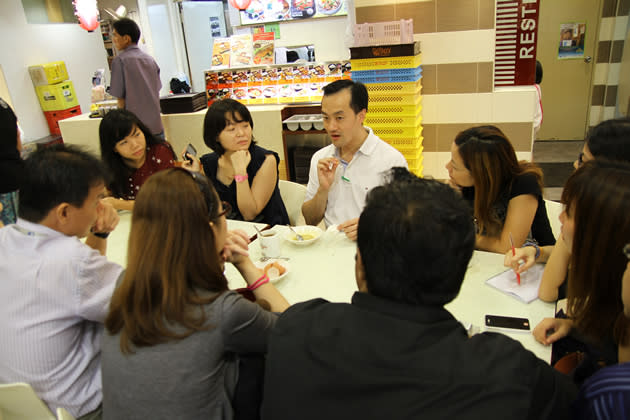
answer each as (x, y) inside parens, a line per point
(394, 86)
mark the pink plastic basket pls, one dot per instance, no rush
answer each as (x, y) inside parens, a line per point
(383, 33)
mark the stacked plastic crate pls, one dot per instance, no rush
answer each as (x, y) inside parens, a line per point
(388, 62)
(55, 93)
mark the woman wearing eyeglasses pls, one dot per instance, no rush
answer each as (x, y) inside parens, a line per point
(175, 332)
(506, 195)
(595, 227)
(610, 140)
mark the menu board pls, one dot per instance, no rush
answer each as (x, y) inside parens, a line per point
(262, 11)
(275, 84)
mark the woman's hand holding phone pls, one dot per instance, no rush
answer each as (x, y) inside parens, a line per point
(190, 161)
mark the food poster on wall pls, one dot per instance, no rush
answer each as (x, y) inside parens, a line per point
(241, 50)
(261, 11)
(263, 48)
(572, 37)
(221, 53)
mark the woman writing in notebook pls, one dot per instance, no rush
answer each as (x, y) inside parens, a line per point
(610, 140)
(505, 194)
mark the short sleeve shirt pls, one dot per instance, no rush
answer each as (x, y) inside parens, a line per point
(136, 79)
(354, 179)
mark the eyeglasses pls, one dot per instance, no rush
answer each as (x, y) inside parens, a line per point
(204, 187)
(626, 251)
(227, 209)
(580, 159)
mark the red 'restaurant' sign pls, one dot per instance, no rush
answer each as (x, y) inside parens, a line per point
(515, 42)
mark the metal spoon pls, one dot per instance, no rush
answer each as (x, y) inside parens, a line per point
(297, 235)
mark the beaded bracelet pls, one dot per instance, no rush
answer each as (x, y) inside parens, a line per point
(536, 247)
(241, 178)
(262, 280)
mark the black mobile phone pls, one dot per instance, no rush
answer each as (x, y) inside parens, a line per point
(190, 150)
(507, 322)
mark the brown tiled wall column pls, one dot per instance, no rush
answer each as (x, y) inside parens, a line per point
(609, 52)
(433, 16)
(439, 137)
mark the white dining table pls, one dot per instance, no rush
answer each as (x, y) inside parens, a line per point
(325, 268)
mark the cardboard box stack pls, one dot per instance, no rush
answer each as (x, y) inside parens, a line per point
(55, 93)
(393, 77)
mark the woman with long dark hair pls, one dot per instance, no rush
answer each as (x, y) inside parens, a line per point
(506, 195)
(175, 332)
(132, 154)
(595, 227)
(610, 140)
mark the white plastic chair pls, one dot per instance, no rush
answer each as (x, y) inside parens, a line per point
(293, 196)
(18, 401)
(553, 212)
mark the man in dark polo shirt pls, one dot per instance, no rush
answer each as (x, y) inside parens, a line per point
(395, 352)
(136, 77)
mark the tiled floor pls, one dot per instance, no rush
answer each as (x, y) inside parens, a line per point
(556, 158)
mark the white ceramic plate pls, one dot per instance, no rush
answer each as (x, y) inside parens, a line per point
(312, 232)
(284, 263)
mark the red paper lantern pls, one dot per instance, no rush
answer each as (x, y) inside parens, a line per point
(87, 12)
(240, 4)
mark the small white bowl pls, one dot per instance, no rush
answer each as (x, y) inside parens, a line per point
(312, 232)
(283, 263)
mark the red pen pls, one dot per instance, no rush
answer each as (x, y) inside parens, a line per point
(518, 276)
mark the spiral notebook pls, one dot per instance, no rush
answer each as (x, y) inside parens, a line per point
(527, 291)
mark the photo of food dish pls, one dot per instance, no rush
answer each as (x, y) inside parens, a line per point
(254, 93)
(286, 91)
(302, 8)
(269, 91)
(217, 60)
(329, 7)
(240, 93)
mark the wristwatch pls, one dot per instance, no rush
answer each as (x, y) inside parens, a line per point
(102, 235)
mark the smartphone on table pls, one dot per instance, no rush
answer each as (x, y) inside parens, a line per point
(507, 323)
(190, 150)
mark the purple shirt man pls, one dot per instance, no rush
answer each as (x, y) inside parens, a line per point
(136, 76)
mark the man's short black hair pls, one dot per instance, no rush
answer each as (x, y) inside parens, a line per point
(126, 26)
(358, 93)
(416, 237)
(55, 175)
(610, 139)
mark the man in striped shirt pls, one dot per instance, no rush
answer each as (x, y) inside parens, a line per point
(54, 289)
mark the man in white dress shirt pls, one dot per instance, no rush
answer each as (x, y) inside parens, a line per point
(343, 172)
(54, 289)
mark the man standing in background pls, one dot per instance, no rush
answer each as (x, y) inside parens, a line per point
(136, 77)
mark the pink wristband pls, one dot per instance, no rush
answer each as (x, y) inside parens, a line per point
(240, 178)
(262, 280)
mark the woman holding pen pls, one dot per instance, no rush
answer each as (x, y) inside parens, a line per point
(610, 140)
(595, 227)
